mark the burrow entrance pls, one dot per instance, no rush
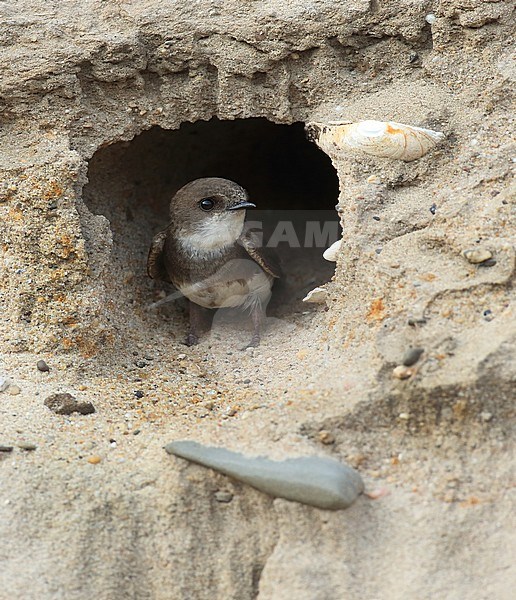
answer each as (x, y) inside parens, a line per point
(287, 177)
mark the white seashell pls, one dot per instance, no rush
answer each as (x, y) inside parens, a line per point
(318, 296)
(385, 139)
(332, 252)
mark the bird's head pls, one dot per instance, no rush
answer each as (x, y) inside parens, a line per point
(209, 213)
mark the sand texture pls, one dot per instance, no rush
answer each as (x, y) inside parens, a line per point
(107, 108)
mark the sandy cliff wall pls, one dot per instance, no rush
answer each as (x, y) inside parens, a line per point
(80, 198)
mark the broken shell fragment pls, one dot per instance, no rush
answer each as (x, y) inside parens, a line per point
(385, 139)
(403, 372)
(332, 252)
(320, 482)
(318, 296)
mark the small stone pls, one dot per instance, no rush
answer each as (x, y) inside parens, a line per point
(491, 262)
(246, 381)
(326, 437)
(66, 404)
(5, 382)
(377, 493)
(42, 366)
(411, 356)
(223, 496)
(94, 460)
(139, 394)
(27, 446)
(477, 255)
(433, 209)
(404, 416)
(140, 364)
(486, 416)
(488, 315)
(13, 390)
(413, 321)
(402, 372)
(6, 448)
(430, 18)
(181, 356)
(374, 179)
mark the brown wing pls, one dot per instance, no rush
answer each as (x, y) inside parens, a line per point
(155, 261)
(265, 257)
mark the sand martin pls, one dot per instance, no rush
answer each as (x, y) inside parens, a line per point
(209, 256)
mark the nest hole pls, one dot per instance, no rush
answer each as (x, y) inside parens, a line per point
(292, 182)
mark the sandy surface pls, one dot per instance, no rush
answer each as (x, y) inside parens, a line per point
(98, 509)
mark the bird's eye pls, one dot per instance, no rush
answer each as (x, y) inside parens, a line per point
(207, 203)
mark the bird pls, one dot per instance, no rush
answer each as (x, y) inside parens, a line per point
(209, 255)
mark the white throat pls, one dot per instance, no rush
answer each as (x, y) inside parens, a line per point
(213, 235)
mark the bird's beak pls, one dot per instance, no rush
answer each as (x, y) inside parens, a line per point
(241, 205)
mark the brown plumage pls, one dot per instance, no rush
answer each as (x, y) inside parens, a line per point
(208, 256)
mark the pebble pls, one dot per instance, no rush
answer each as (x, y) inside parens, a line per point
(223, 496)
(27, 446)
(488, 315)
(326, 437)
(139, 394)
(411, 356)
(486, 416)
(42, 366)
(402, 372)
(94, 460)
(490, 262)
(5, 382)
(13, 390)
(6, 448)
(433, 209)
(477, 255)
(404, 416)
(413, 321)
(66, 404)
(430, 18)
(312, 480)
(140, 364)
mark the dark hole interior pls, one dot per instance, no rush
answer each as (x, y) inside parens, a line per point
(131, 183)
